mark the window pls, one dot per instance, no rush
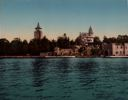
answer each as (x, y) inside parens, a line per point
(123, 52)
(120, 52)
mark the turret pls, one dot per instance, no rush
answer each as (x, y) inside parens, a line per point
(90, 31)
(38, 27)
(38, 32)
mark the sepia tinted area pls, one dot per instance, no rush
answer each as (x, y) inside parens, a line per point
(63, 49)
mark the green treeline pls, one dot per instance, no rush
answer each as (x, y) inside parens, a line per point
(35, 47)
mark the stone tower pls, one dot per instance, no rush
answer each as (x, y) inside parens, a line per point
(38, 32)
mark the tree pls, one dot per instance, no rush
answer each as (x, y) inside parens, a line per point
(122, 39)
(34, 47)
(45, 44)
(109, 40)
(53, 44)
(25, 47)
(97, 40)
(78, 41)
(4, 46)
(16, 46)
(63, 41)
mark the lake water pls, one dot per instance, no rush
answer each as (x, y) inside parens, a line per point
(64, 79)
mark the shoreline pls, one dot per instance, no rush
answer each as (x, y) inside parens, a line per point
(37, 56)
(63, 57)
(48, 57)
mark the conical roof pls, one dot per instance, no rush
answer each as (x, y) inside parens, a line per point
(38, 26)
(90, 30)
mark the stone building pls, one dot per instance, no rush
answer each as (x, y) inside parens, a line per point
(115, 49)
(63, 52)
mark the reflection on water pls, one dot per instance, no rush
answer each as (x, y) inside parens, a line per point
(38, 70)
(64, 79)
(87, 71)
(3, 92)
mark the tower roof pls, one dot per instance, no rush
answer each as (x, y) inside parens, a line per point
(38, 26)
(90, 31)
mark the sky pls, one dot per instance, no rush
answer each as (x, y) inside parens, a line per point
(18, 18)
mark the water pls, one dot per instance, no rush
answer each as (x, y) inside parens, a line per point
(64, 79)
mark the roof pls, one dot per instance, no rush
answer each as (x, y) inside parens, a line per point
(38, 26)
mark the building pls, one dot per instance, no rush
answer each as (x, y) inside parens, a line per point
(86, 38)
(38, 32)
(115, 49)
(63, 52)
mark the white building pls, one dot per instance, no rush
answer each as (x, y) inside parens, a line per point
(86, 38)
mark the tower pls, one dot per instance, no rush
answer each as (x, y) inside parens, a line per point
(38, 32)
(90, 31)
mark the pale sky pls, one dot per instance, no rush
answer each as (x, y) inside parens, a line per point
(18, 18)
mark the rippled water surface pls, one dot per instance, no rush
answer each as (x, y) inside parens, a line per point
(64, 79)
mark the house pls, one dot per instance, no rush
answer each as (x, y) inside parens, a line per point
(63, 52)
(115, 49)
(86, 38)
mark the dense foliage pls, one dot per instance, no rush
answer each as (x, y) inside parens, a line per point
(119, 39)
(34, 47)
